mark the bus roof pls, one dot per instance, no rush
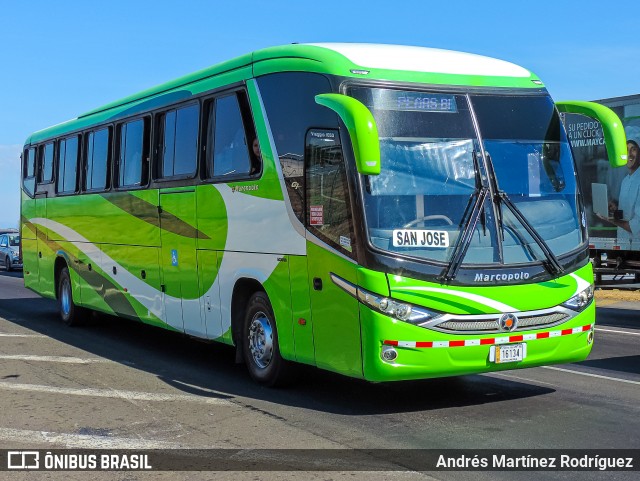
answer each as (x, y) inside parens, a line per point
(364, 61)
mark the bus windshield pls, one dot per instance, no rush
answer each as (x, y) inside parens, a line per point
(440, 150)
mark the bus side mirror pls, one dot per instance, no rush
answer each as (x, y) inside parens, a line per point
(614, 136)
(362, 130)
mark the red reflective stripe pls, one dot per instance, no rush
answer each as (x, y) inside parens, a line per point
(488, 341)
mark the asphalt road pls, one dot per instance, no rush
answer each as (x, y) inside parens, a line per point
(120, 384)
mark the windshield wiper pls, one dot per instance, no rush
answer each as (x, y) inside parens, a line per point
(552, 263)
(463, 242)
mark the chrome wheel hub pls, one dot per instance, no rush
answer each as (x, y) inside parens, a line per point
(261, 340)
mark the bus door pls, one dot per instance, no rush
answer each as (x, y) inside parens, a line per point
(179, 264)
(334, 313)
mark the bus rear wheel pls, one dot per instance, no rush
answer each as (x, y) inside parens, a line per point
(260, 344)
(70, 314)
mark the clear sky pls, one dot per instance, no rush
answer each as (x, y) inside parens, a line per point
(59, 59)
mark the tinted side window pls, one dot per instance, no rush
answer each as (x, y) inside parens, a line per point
(28, 171)
(67, 165)
(231, 150)
(328, 211)
(98, 159)
(46, 161)
(29, 163)
(133, 155)
(289, 99)
(178, 147)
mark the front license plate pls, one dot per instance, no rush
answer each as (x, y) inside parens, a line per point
(508, 353)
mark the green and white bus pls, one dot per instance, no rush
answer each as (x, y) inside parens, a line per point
(384, 212)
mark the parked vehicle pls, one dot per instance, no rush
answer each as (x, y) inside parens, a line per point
(10, 251)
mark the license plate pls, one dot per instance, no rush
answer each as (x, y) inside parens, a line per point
(508, 353)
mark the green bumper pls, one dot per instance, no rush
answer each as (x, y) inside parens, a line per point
(567, 342)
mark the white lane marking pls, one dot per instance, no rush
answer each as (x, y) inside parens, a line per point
(592, 375)
(519, 378)
(618, 332)
(5, 334)
(114, 393)
(64, 359)
(82, 440)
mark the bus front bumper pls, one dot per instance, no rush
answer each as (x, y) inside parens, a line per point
(394, 350)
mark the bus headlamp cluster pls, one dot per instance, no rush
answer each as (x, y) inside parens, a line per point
(580, 300)
(401, 311)
(392, 308)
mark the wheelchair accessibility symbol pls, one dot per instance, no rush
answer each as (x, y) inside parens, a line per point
(174, 257)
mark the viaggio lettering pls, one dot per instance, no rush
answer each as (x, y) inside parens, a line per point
(512, 276)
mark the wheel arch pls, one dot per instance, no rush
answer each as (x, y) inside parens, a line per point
(62, 261)
(243, 289)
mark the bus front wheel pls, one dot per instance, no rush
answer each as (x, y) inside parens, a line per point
(260, 344)
(70, 314)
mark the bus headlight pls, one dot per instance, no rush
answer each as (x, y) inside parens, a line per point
(401, 311)
(398, 310)
(580, 300)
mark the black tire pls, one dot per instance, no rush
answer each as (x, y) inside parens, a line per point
(7, 264)
(70, 314)
(260, 345)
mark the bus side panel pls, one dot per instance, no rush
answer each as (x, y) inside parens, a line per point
(30, 263)
(335, 315)
(301, 310)
(29, 243)
(211, 218)
(279, 292)
(120, 262)
(209, 295)
(125, 218)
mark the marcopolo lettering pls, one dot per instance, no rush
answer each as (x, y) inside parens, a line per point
(511, 276)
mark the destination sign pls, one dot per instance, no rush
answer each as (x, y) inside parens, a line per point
(416, 101)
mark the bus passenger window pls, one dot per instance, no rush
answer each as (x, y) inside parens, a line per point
(178, 145)
(97, 159)
(45, 154)
(230, 145)
(132, 155)
(67, 165)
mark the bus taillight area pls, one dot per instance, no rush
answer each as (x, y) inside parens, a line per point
(466, 331)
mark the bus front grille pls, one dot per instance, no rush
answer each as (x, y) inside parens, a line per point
(491, 324)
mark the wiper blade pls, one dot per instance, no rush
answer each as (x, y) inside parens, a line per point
(463, 242)
(552, 263)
